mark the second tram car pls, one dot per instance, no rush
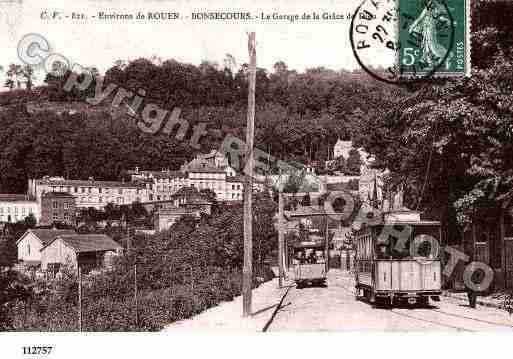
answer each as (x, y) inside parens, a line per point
(388, 274)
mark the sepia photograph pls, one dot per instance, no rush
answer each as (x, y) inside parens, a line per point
(170, 168)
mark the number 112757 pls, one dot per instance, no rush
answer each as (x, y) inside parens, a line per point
(37, 350)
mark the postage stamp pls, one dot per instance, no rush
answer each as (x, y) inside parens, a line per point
(414, 39)
(435, 34)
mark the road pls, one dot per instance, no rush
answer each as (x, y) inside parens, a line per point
(335, 308)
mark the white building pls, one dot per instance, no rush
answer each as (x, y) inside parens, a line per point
(205, 171)
(32, 241)
(90, 193)
(342, 149)
(16, 207)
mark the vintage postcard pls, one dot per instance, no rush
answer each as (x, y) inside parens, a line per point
(184, 167)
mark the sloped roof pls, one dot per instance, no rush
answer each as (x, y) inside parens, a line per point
(58, 195)
(14, 197)
(191, 195)
(88, 183)
(88, 242)
(205, 169)
(47, 235)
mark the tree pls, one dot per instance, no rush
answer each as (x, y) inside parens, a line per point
(13, 288)
(449, 142)
(27, 73)
(30, 221)
(354, 162)
(13, 77)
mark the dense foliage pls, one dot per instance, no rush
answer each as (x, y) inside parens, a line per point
(194, 265)
(449, 142)
(299, 117)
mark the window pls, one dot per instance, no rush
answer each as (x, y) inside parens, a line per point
(55, 216)
(82, 189)
(66, 216)
(65, 204)
(24, 211)
(89, 190)
(28, 249)
(100, 199)
(75, 189)
(55, 205)
(120, 191)
(100, 190)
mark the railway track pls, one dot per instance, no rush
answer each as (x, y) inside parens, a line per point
(418, 315)
(474, 319)
(431, 321)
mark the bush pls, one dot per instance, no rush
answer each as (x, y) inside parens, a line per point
(109, 304)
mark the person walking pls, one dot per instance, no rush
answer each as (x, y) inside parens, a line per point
(470, 287)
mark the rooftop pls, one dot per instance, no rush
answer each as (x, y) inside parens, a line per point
(13, 197)
(88, 183)
(205, 169)
(48, 235)
(88, 242)
(57, 195)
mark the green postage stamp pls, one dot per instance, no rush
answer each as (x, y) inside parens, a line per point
(412, 39)
(434, 37)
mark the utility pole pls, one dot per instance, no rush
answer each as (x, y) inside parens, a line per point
(247, 272)
(79, 298)
(136, 297)
(280, 236)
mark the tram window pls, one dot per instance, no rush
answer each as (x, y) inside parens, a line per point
(389, 247)
(426, 241)
(417, 245)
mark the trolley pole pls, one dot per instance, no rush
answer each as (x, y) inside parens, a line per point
(247, 272)
(280, 237)
(79, 298)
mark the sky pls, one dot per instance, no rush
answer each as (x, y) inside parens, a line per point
(95, 42)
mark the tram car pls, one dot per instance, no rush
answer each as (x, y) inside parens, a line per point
(388, 272)
(309, 262)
